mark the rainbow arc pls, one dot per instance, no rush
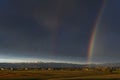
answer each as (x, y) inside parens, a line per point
(94, 33)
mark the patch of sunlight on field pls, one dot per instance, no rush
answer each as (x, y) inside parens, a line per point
(58, 75)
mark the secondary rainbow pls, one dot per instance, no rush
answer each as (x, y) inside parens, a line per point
(94, 32)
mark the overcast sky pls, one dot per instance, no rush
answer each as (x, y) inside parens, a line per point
(58, 30)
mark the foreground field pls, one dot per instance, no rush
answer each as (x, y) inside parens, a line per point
(58, 75)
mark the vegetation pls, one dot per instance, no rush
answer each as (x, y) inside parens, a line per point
(62, 74)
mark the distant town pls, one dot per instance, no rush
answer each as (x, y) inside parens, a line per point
(60, 66)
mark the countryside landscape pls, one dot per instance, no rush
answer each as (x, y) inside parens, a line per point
(59, 39)
(35, 71)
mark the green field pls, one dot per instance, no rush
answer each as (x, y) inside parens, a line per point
(58, 75)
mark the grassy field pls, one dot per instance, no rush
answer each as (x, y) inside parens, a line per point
(58, 75)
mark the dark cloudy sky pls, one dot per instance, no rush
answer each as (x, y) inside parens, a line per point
(58, 30)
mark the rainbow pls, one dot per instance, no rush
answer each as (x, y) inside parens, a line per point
(94, 32)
